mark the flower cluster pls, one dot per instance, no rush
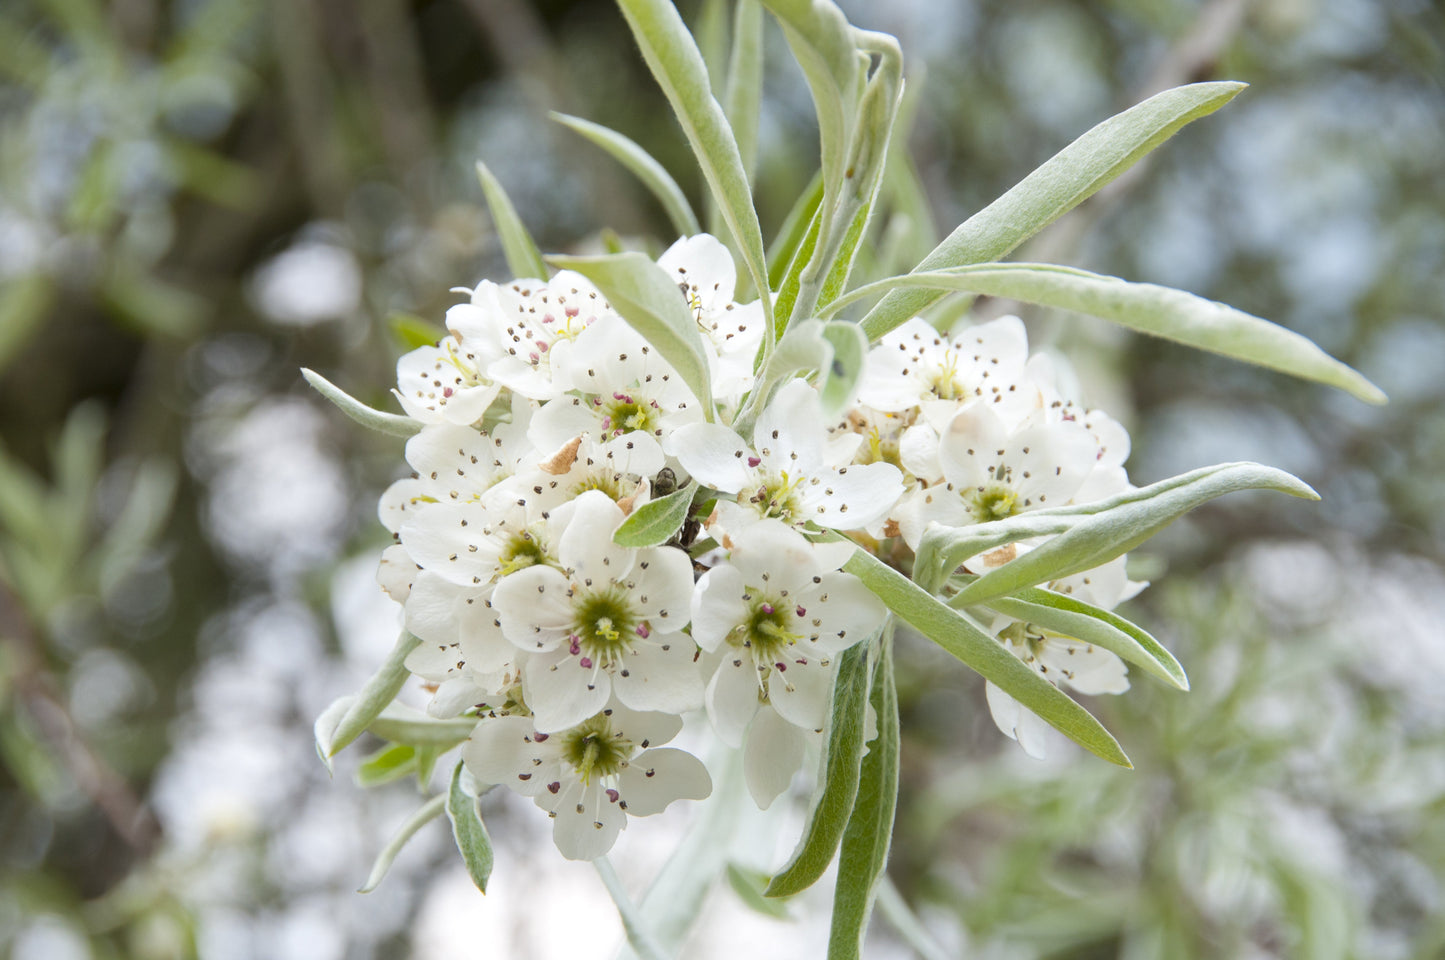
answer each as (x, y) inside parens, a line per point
(548, 421)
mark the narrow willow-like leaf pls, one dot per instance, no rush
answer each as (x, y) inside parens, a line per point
(429, 811)
(944, 548)
(324, 729)
(469, 831)
(673, 58)
(641, 164)
(402, 724)
(374, 697)
(822, 42)
(1099, 537)
(838, 782)
(867, 160)
(743, 99)
(1065, 180)
(1103, 628)
(523, 257)
(795, 227)
(1145, 308)
(864, 852)
(790, 287)
(639, 938)
(388, 423)
(390, 763)
(748, 885)
(650, 302)
(656, 521)
(960, 637)
(845, 366)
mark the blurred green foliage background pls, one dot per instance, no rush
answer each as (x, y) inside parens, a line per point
(198, 197)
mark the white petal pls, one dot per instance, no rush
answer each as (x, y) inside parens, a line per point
(561, 692)
(396, 572)
(660, 676)
(971, 445)
(533, 608)
(655, 778)
(771, 759)
(732, 696)
(801, 692)
(662, 587)
(1088, 669)
(849, 613)
(853, 497)
(586, 546)
(500, 748)
(705, 265)
(714, 454)
(790, 432)
(718, 606)
(1015, 721)
(588, 829)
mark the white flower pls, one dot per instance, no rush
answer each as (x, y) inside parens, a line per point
(777, 611)
(789, 471)
(456, 464)
(525, 329)
(916, 366)
(473, 543)
(462, 650)
(591, 776)
(444, 384)
(732, 332)
(991, 473)
(609, 621)
(622, 387)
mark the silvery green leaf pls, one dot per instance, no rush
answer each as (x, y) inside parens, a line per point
(523, 257)
(428, 812)
(402, 724)
(1065, 180)
(961, 637)
(391, 762)
(369, 702)
(651, 303)
(1115, 526)
(784, 248)
(639, 937)
(324, 729)
(845, 366)
(743, 95)
(864, 852)
(838, 776)
(637, 160)
(748, 884)
(1072, 617)
(675, 62)
(389, 423)
(790, 287)
(712, 40)
(1146, 308)
(822, 42)
(944, 548)
(469, 831)
(656, 521)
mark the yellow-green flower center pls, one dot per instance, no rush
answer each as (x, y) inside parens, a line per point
(994, 502)
(605, 627)
(594, 749)
(766, 631)
(522, 550)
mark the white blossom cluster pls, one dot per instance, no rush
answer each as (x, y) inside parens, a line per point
(548, 420)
